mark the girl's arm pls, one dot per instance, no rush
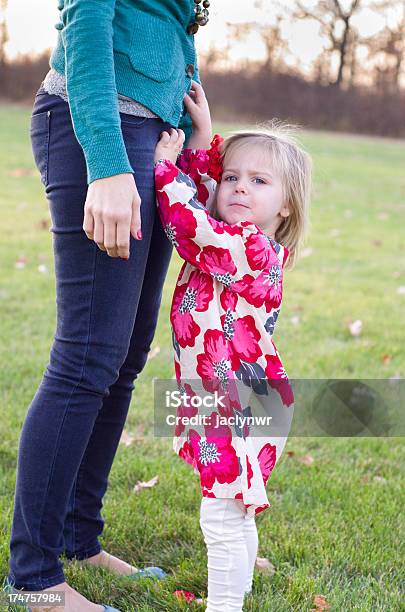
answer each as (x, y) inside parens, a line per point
(230, 253)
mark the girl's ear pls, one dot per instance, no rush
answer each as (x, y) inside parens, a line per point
(285, 211)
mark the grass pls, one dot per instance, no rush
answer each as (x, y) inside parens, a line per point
(335, 527)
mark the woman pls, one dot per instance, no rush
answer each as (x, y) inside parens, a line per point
(111, 259)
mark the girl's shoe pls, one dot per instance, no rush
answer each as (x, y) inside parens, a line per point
(148, 572)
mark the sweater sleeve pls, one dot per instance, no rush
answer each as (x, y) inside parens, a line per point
(237, 255)
(90, 82)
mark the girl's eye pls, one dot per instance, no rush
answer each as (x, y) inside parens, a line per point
(230, 176)
(261, 181)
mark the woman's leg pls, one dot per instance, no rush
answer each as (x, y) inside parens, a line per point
(222, 523)
(97, 300)
(84, 523)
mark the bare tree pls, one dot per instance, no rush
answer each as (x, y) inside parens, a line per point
(3, 33)
(386, 52)
(335, 21)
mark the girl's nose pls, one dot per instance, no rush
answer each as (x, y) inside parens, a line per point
(240, 187)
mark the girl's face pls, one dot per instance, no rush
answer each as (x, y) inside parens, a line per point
(250, 190)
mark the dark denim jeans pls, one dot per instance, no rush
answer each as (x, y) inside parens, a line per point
(107, 310)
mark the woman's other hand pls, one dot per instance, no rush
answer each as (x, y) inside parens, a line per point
(170, 145)
(112, 212)
(197, 106)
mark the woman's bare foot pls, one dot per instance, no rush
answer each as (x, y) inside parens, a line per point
(104, 559)
(74, 601)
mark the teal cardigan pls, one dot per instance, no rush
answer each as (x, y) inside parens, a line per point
(138, 48)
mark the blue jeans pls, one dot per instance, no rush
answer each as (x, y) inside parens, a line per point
(107, 310)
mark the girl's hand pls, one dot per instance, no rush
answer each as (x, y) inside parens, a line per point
(170, 145)
(112, 213)
(197, 105)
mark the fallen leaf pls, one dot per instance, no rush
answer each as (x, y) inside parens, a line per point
(184, 595)
(306, 252)
(376, 243)
(334, 232)
(145, 485)
(265, 566)
(321, 603)
(155, 351)
(290, 453)
(355, 327)
(380, 479)
(382, 216)
(306, 459)
(19, 172)
(42, 268)
(295, 320)
(43, 224)
(20, 263)
(401, 290)
(126, 438)
(385, 358)
(365, 478)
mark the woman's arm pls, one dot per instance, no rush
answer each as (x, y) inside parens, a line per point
(90, 82)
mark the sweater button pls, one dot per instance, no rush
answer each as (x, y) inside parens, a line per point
(60, 4)
(190, 70)
(59, 25)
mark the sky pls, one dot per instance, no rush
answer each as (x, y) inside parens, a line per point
(31, 28)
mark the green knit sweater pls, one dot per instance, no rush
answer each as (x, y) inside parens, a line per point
(137, 48)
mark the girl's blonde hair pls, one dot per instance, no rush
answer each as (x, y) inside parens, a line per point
(294, 166)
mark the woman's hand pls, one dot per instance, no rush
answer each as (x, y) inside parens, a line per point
(112, 213)
(197, 105)
(170, 145)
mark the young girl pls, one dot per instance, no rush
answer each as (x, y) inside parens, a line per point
(236, 215)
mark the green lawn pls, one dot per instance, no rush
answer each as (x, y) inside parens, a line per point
(335, 526)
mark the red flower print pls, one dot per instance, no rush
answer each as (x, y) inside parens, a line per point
(259, 252)
(249, 472)
(215, 165)
(278, 379)
(185, 411)
(186, 453)
(214, 368)
(243, 338)
(206, 493)
(215, 455)
(165, 173)
(265, 289)
(218, 262)
(228, 299)
(267, 460)
(194, 295)
(179, 225)
(220, 227)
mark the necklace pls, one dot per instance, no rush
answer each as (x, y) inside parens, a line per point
(201, 16)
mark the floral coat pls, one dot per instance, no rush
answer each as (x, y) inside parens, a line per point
(224, 310)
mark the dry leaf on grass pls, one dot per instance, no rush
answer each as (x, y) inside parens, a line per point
(306, 459)
(155, 351)
(20, 263)
(380, 479)
(19, 172)
(382, 216)
(43, 224)
(290, 453)
(306, 252)
(145, 485)
(320, 603)
(386, 358)
(126, 438)
(265, 566)
(355, 327)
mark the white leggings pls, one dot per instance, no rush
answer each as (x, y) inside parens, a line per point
(231, 539)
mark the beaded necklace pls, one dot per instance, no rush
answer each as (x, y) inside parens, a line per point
(201, 16)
